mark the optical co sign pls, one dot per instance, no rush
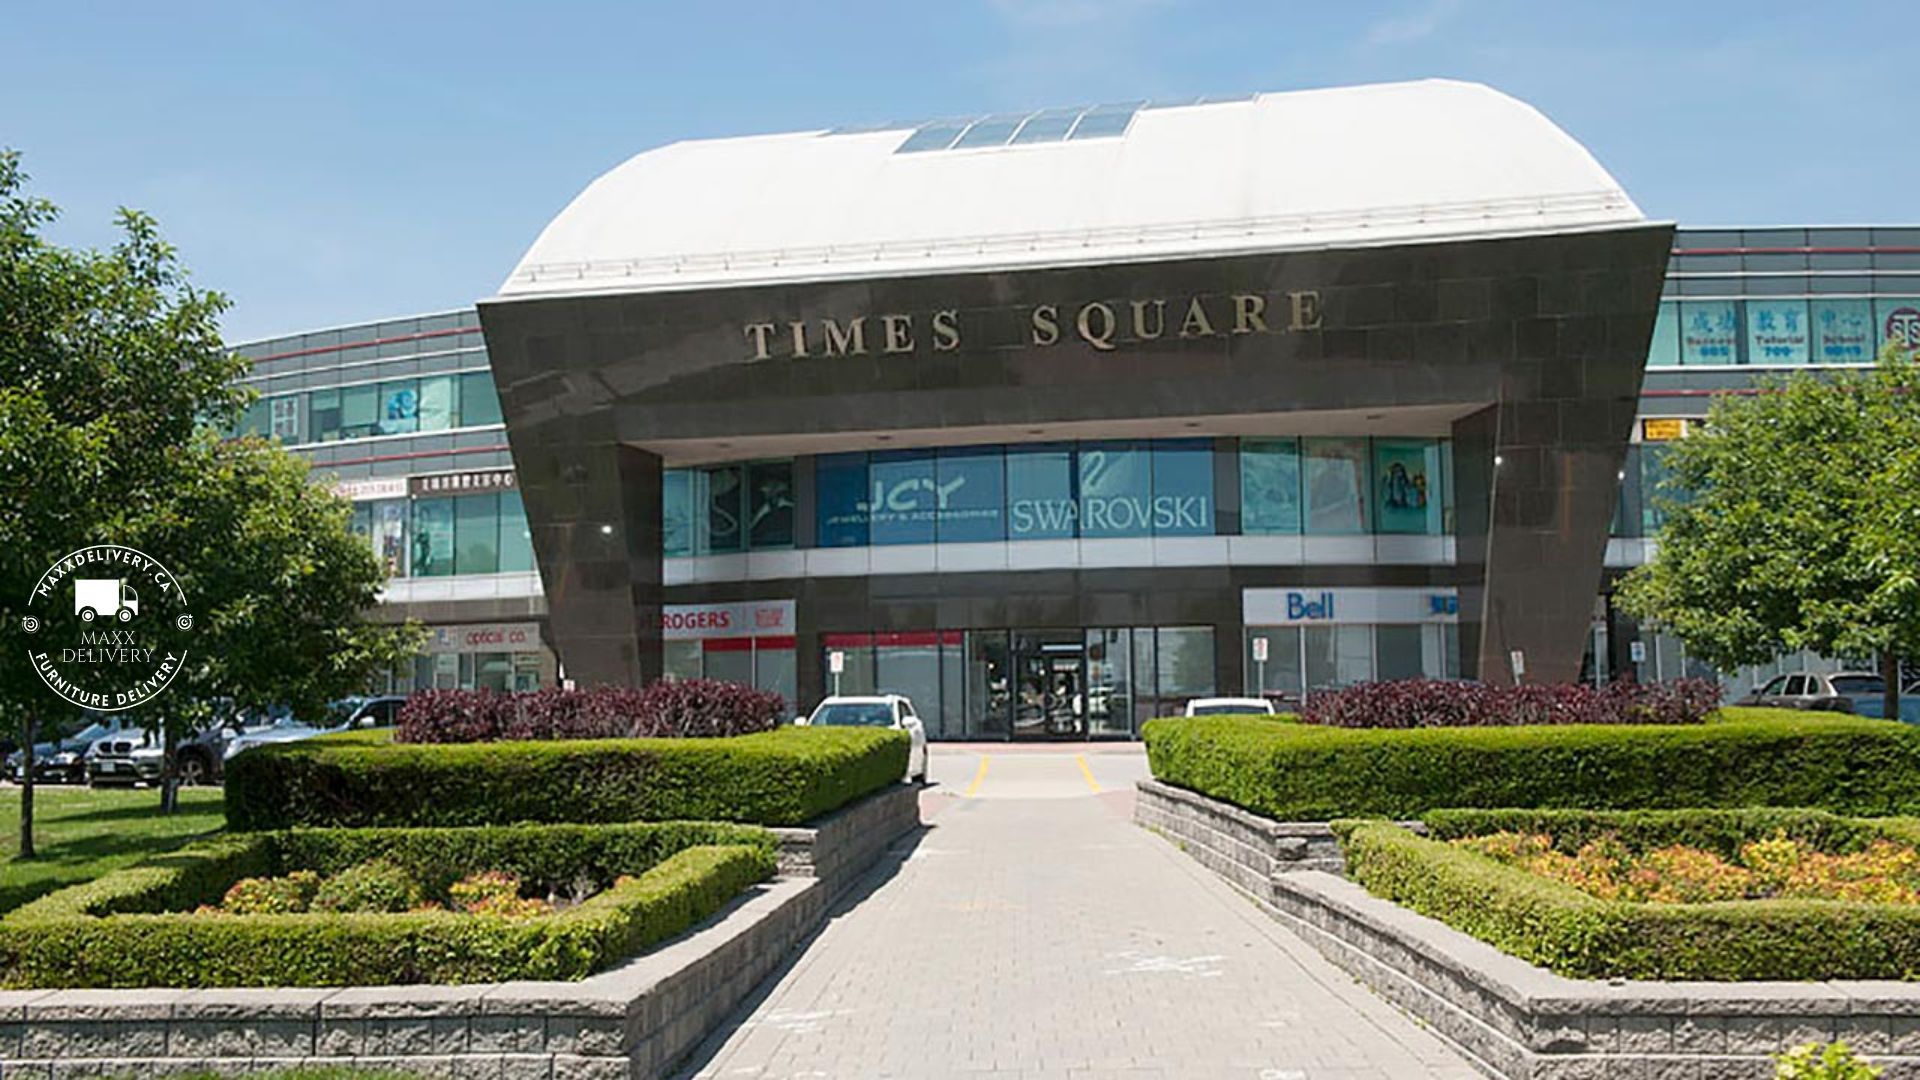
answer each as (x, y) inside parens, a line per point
(107, 627)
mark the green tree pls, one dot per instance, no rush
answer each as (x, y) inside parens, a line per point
(279, 585)
(1797, 529)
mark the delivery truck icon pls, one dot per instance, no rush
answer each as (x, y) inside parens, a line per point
(97, 597)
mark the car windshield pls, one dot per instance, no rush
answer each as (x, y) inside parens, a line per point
(1859, 684)
(1230, 708)
(854, 714)
(92, 731)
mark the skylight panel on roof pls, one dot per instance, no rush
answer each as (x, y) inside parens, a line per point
(1106, 121)
(937, 135)
(1047, 125)
(993, 131)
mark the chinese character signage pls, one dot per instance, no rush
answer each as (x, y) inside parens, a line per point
(1899, 319)
(1842, 332)
(1709, 332)
(1777, 332)
(463, 483)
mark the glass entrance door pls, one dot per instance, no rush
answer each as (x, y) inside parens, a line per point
(1050, 685)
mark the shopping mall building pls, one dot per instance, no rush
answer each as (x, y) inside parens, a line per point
(1054, 420)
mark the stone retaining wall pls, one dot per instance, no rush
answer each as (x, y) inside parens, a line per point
(1520, 1022)
(1240, 846)
(633, 1022)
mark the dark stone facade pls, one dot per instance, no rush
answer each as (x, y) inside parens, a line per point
(1534, 346)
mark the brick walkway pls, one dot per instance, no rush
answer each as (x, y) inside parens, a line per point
(1034, 932)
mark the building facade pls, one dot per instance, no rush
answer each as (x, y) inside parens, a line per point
(1054, 500)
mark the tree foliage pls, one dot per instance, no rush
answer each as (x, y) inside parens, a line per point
(1793, 522)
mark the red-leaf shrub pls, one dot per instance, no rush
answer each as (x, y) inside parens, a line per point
(1413, 703)
(689, 708)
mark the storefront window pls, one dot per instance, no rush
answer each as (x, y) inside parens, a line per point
(903, 499)
(476, 534)
(970, 487)
(909, 664)
(432, 537)
(1110, 693)
(770, 505)
(1185, 661)
(1336, 485)
(479, 404)
(1116, 489)
(1654, 488)
(729, 659)
(774, 669)
(323, 414)
(840, 487)
(680, 659)
(283, 417)
(390, 535)
(989, 683)
(1843, 332)
(1040, 500)
(399, 407)
(676, 512)
(1279, 675)
(1337, 655)
(726, 513)
(1269, 486)
(1709, 332)
(1777, 332)
(1183, 487)
(1406, 486)
(516, 537)
(359, 411)
(1664, 350)
(436, 403)
(1397, 652)
(856, 673)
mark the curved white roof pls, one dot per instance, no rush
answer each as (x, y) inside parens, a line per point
(1364, 165)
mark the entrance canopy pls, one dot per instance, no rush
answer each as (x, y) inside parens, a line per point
(1350, 167)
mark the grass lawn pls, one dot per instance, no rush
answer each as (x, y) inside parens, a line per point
(82, 833)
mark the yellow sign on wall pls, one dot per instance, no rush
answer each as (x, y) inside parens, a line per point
(1662, 429)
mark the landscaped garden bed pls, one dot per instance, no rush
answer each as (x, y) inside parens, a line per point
(336, 907)
(1292, 771)
(1733, 895)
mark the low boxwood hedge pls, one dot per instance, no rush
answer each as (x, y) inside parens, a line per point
(1575, 934)
(134, 928)
(1301, 772)
(781, 777)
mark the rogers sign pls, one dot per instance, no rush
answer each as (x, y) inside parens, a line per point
(748, 618)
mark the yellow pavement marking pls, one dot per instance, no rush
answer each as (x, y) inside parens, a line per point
(979, 776)
(1081, 760)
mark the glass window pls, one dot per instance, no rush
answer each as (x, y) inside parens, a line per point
(390, 535)
(680, 660)
(432, 537)
(1777, 332)
(856, 676)
(1843, 332)
(1110, 693)
(1269, 486)
(993, 131)
(1406, 486)
(1280, 675)
(1898, 321)
(726, 509)
(1337, 655)
(476, 534)
(840, 497)
(493, 671)
(1655, 488)
(909, 665)
(1664, 350)
(1185, 661)
(324, 414)
(1146, 681)
(676, 512)
(478, 402)
(283, 417)
(903, 503)
(935, 136)
(729, 659)
(360, 523)
(1336, 485)
(1104, 122)
(516, 536)
(774, 669)
(1709, 332)
(970, 487)
(989, 690)
(770, 505)
(1040, 503)
(1183, 487)
(436, 403)
(1116, 489)
(1397, 652)
(1048, 125)
(359, 411)
(399, 407)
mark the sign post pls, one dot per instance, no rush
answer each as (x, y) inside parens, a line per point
(1519, 660)
(1260, 665)
(836, 663)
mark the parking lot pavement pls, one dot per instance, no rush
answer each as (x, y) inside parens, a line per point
(1032, 931)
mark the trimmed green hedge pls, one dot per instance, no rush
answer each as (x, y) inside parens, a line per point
(782, 777)
(1292, 771)
(131, 928)
(1575, 934)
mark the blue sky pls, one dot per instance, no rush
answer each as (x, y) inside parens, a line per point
(352, 160)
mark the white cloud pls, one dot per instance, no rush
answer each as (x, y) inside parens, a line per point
(1414, 25)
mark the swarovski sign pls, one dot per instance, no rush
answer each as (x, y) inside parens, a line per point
(1102, 325)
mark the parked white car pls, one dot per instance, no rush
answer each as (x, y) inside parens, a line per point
(1230, 706)
(880, 710)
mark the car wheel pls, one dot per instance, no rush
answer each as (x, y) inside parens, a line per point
(193, 770)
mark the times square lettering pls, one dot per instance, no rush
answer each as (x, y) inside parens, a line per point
(1100, 325)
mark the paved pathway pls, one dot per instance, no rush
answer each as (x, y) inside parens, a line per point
(1034, 932)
